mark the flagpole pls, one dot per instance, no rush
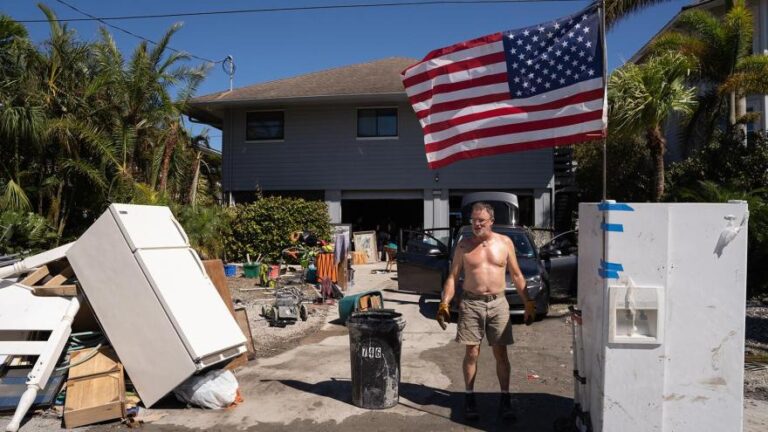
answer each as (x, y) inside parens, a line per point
(605, 89)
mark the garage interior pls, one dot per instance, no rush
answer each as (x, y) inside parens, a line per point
(389, 215)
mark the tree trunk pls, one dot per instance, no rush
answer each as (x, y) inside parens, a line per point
(657, 145)
(170, 145)
(195, 177)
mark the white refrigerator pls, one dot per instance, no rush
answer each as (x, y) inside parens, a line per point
(662, 317)
(153, 298)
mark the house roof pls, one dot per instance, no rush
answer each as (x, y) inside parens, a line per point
(376, 77)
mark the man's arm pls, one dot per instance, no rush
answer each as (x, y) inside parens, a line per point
(449, 287)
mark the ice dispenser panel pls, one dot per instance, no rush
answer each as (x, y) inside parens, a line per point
(636, 315)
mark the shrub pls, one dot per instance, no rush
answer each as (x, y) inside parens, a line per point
(264, 226)
(25, 233)
(206, 227)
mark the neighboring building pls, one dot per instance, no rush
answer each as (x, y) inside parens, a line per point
(348, 136)
(754, 103)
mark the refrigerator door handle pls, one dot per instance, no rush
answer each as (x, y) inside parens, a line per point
(199, 263)
(180, 229)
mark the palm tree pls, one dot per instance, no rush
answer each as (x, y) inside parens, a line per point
(727, 71)
(642, 97)
(616, 10)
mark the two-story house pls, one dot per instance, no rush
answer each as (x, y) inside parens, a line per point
(349, 136)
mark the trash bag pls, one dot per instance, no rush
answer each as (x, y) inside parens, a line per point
(215, 389)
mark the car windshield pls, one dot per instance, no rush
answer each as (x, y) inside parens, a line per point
(523, 247)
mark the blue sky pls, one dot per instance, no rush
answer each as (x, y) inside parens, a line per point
(269, 46)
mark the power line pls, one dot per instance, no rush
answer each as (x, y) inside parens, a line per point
(128, 32)
(290, 9)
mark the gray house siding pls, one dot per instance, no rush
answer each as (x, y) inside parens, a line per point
(321, 152)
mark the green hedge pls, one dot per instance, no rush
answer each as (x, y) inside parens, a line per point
(264, 226)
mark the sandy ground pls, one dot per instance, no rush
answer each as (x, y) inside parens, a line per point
(301, 381)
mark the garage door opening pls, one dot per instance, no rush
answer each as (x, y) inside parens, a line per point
(390, 215)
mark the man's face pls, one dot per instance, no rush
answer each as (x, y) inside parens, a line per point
(481, 223)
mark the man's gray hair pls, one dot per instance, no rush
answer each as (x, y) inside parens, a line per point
(478, 206)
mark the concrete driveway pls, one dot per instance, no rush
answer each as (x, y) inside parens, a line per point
(308, 388)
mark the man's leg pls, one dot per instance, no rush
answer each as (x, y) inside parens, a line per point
(470, 372)
(502, 366)
(503, 370)
(470, 366)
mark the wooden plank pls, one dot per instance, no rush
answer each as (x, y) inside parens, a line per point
(36, 276)
(95, 389)
(241, 316)
(60, 278)
(215, 270)
(60, 290)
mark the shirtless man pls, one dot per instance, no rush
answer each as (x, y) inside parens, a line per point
(484, 310)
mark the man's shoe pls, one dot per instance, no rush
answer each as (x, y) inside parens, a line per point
(505, 407)
(470, 407)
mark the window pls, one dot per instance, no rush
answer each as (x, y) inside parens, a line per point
(377, 122)
(264, 125)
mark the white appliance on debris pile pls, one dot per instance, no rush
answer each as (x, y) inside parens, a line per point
(661, 341)
(153, 298)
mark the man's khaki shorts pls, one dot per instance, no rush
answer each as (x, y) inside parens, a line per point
(481, 316)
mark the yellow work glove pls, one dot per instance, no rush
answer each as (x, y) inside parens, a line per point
(530, 312)
(443, 315)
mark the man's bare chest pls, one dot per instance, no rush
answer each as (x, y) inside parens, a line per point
(482, 256)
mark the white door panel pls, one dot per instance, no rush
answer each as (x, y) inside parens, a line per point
(192, 302)
(147, 227)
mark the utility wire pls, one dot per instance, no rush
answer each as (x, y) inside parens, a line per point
(293, 9)
(128, 32)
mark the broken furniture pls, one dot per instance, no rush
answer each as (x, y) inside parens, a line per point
(95, 387)
(360, 302)
(391, 253)
(30, 313)
(153, 298)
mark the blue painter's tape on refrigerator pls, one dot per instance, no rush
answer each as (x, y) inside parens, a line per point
(605, 206)
(611, 266)
(612, 227)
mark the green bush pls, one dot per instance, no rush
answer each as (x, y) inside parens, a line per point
(264, 226)
(25, 233)
(206, 227)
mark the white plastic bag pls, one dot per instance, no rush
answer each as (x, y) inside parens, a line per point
(215, 389)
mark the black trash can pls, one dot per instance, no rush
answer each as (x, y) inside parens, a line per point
(375, 338)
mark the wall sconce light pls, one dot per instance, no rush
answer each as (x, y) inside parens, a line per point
(437, 177)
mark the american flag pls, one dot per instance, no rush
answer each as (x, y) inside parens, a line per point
(535, 87)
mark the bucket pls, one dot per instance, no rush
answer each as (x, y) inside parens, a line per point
(230, 270)
(251, 270)
(274, 271)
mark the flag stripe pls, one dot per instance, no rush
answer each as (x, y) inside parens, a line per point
(514, 147)
(445, 112)
(499, 78)
(505, 129)
(477, 51)
(549, 108)
(456, 48)
(452, 67)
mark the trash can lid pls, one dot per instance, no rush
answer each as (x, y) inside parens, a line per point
(378, 318)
